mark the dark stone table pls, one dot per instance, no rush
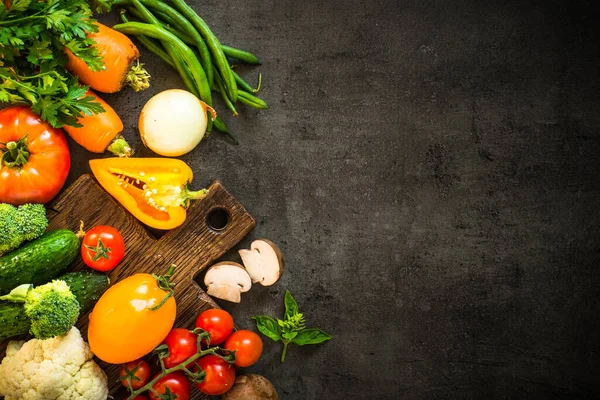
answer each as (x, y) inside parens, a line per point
(431, 172)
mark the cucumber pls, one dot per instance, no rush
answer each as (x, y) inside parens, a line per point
(39, 261)
(86, 286)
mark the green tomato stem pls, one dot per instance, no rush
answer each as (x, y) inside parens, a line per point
(179, 367)
(15, 154)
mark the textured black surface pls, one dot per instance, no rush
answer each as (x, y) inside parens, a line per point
(430, 170)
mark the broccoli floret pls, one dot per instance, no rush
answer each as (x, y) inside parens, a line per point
(52, 308)
(9, 239)
(31, 221)
(17, 225)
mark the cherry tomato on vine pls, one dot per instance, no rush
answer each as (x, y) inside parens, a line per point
(103, 248)
(218, 323)
(176, 383)
(248, 346)
(219, 378)
(182, 345)
(137, 372)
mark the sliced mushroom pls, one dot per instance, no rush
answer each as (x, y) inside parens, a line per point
(227, 281)
(264, 262)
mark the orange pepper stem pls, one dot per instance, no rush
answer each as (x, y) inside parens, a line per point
(120, 147)
(187, 195)
(15, 154)
(137, 77)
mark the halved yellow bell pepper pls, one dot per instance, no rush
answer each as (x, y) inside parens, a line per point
(155, 190)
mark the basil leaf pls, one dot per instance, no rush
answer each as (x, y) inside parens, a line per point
(311, 336)
(289, 335)
(291, 307)
(268, 327)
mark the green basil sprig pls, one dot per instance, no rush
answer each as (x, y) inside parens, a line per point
(291, 329)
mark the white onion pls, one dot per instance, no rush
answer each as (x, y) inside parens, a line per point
(173, 122)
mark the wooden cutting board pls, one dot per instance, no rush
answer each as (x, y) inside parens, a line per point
(192, 247)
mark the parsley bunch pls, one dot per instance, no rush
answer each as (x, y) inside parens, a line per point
(33, 38)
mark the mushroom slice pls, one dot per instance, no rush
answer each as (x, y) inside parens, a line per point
(227, 281)
(264, 262)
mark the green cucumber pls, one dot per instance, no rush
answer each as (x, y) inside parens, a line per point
(86, 286)
(39, 261)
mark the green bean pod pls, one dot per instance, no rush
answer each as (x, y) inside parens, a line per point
(184, 52)
(242, 84)
(150, 44)
(181, 28)
(218, 56)
(252, 101)
(221, 88)
(241, 55)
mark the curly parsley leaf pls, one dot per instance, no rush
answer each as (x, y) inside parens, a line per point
(33, 38)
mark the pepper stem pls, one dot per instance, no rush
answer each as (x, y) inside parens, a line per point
(15, 154)
(137, 77)
(187, 195)
(120, 147)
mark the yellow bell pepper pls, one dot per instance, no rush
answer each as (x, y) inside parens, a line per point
(155, 190)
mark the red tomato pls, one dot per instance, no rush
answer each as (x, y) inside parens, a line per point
(103, 248)
(36, 168)
(218, 323)
(138, 372)
(175, 382)
(249, 347)
(219, 378)
(182, 345)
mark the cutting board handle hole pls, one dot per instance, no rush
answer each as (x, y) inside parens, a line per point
(217, 219)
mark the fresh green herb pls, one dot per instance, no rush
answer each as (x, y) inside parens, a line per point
(291, 329)
(33, 38)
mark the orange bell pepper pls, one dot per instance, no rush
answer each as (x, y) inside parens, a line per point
(155, 190)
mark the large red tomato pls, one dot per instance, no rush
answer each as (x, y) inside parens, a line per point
(35, 158)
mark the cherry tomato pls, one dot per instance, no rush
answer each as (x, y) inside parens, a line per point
(249, 347)
(103, 248)
(137, 372)
(218, 323)
(36, 158)
(123, 327)
(182, 345)
(176, 383)
(219, 378)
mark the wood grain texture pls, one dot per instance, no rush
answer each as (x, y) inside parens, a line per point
(192, 247)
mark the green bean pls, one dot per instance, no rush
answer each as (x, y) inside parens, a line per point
(213, 44)
(182, 28)
(187, 55)
(221, 88)
(252, 101)
(242, 84)
(150, 44)
(241, 55)
(220, 126)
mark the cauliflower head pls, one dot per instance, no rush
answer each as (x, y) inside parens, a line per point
(60, 368)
